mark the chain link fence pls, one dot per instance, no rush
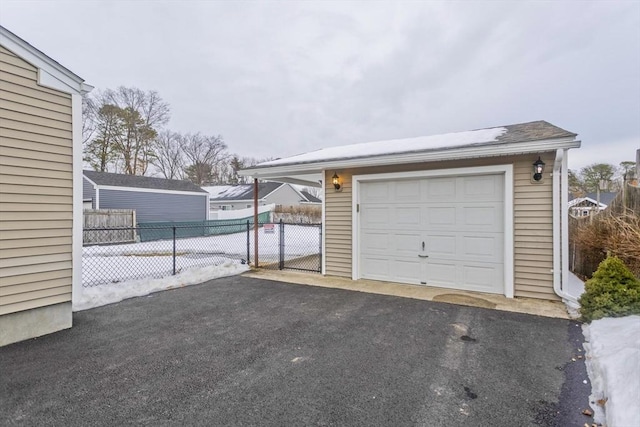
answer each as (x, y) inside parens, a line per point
(114, 255)
(291, 246)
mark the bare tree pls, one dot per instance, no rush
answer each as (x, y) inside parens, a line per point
(205, 156)
(168, 156)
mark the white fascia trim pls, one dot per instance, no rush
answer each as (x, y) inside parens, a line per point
(506, 169)
(560, 223)
(476, 151)
(151, 190)
(226, 202)
(77, 224)
(90, 181)
(50, 73)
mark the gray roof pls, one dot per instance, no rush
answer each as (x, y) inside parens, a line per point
(495, 137)
(605, 198)
(533, 131)
(245, 191)
(135, 181)
(310, 198)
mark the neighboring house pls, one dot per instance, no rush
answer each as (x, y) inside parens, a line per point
(235, 197)
(587, 205)
(468, 210)
(40, 191)
(153, 199)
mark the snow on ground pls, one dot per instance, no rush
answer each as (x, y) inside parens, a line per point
(97, 296)
(613, 365)
(110, 264)
(575, 288)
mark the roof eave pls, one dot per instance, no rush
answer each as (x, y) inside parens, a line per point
(50, 72)
(457, 153)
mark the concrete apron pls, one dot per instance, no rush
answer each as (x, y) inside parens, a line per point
(532, 306)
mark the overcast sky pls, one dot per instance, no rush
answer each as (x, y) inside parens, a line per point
(281, 78)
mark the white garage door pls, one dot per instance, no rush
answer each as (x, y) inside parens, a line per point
(445, 231)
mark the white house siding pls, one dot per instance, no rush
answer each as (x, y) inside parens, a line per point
(36, 187)
(533, 249)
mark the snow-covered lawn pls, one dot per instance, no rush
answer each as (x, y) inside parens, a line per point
(110, 264)
(111, 273)
(613, 364)
(99, 295)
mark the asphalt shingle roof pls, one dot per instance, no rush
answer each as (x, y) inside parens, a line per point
(241, 191)
(135, 181)
(310, 198)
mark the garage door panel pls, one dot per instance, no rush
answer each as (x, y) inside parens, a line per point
(441, 273)
(406, 191)
(441, 245)
(375, 217)
(487, 188)
(439, 189)
(375, 192)
(406, 244)
(482, 248)
(376, 267)
(437, 216)
(482, 277)
(375, 241)
(408, 271)
(406, 216)
(482, 217)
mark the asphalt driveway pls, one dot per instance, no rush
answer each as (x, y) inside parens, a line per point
(243, 351)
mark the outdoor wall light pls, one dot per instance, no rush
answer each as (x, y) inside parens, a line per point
(538, 169)
(335, 180)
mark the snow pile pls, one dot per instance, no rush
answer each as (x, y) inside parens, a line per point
(394, 146)
(97, 296)
(575, 288)
(613, 365)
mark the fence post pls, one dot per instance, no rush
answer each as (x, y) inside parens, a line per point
(281, 232)
(248, 243)
(174, 250)
(320, 248)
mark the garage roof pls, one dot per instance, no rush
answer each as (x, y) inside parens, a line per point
(137, 181)
(531, 137)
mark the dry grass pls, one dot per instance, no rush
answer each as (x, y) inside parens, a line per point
(306, 214)
(615, 233)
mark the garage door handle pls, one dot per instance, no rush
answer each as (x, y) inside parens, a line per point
(423, 256)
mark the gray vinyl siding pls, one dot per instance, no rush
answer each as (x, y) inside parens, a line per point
(151, 206)
(88, 192)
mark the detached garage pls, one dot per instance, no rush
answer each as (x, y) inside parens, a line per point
(482, 210)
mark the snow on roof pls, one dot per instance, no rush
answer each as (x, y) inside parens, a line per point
(217, 191)
(394, 146)
(241, 191)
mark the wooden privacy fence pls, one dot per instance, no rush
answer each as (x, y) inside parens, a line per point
(111, 219)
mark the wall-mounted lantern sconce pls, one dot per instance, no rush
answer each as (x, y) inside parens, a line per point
(538, 169)
(335, 180)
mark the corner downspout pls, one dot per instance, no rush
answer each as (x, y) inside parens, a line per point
(255, 222)
(561, 226)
